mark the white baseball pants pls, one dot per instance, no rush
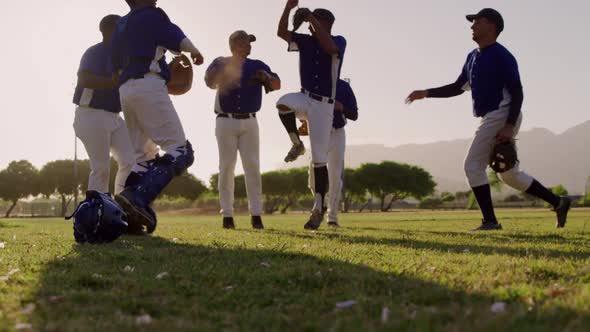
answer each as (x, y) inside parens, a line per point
(319, 116)
(336, 150)
(104, 132)
(241, 135)
(478, 156)
(151, 117)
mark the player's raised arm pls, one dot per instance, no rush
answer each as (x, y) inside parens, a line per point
(89, 80)
(283, 30)
(323, 35)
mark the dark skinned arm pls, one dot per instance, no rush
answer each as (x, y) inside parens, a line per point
(92, 81)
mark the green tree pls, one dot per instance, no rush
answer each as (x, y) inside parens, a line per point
(353, 189)
(57, 177)
(185, 186)
(19, 180)
(395, 181)
(297, 180)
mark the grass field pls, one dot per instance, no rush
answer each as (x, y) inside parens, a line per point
(416, 271)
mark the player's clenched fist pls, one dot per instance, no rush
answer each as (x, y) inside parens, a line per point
(416, 95)
(292, 4)
(197, 58)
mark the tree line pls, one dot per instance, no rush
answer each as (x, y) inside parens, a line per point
(386, 182)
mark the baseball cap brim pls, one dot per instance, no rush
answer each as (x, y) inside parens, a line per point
(472, 17)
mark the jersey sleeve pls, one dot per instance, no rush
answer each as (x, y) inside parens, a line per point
(299, 42)
(89, 62)
(168, 34)
(341, 44)
(463, 79)
(266, 68)
(213, 70)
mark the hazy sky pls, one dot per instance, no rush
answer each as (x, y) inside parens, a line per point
(393, 48)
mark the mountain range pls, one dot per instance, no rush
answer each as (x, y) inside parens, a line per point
(551, 158)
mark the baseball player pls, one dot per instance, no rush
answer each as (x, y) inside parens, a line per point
(239, 81)
(97, 121)
(320, 61)
(491, 73)
(345, 108)
(139, 45)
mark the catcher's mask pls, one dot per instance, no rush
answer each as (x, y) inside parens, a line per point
(98, 219)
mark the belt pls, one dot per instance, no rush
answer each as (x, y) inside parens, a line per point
(239, 116)
(317, 97)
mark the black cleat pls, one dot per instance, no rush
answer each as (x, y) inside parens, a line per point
(256, 222)
(333, 224)
(315, 219)
(138, 216)
(296, 151)
(488, 226)
(562, 210)
(228, 223)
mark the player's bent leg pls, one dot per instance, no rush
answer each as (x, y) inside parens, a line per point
(144, 187)
(288, 106)
(124, 155)
(561, 205)
(475, 170)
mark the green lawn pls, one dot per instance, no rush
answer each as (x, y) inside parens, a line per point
(416, 271)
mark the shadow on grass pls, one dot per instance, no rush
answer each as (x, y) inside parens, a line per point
(191, 287)
(407, 241)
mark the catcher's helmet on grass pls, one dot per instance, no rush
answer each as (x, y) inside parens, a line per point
(98, 219)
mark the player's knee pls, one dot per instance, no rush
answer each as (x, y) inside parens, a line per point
(516, 180)
(284, 109)
(316, 165)
(182, 159)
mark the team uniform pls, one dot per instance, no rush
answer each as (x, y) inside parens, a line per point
(139, 45)
(319, 73)
(236, 105)
(492, 76)
(99, 126)
(337, 147)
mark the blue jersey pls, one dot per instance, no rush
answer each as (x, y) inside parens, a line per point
(490, 73)
(240, 96)
(97, 61)
(140, 42)
(345, 95)
(318, 70)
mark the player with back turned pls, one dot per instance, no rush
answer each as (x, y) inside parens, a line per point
(491, 73)
(140, 43)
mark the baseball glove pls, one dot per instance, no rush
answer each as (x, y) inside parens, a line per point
(303, 129)
(300, 17)
(261, 77)
(503, 157)
(181, 75)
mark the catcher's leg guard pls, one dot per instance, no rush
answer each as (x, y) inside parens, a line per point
(159, 174)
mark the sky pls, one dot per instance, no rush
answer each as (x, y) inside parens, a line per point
(394, 47)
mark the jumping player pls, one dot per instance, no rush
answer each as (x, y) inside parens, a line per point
(320, 61)
(491, 73)
(139, 45)
(345, 109)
